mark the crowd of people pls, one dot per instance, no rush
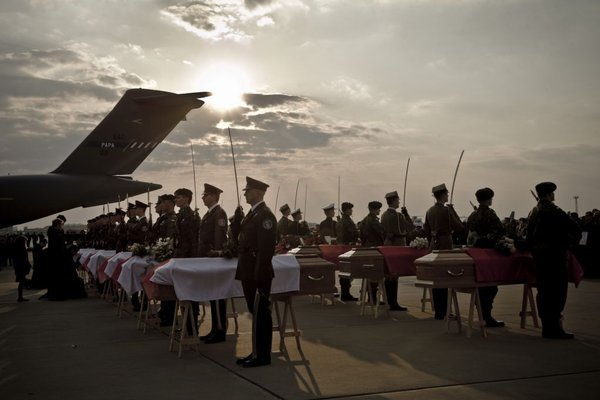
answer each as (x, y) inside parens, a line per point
(214, 234)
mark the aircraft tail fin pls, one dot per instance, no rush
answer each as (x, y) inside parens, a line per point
(127, 135)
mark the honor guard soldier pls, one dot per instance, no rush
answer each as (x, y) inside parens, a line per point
(283, 226)
(185, 246)
(371, 233)
(120, 231)
(347, 233)
(298, 228)
(440, 222)
(550, 233)
(188, 223)
(396, 227)
(131, 220)
(255, 270)
(211, 239)
(167, 222)
(153, 236)
(328, 227)
(142, 226)
(485, 229)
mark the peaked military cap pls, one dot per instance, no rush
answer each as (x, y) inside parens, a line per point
(255, 184)
(484, 194)
(439, 188)
(139, 204)
(374, 205)
(347, 206)
(184, 192)
(392, 195)
(284, 208)
(330, 206)
(545, 188)
(167, 197)
(110, 214)
(62, 217)
(130, 206)
(210, 189)
(119, 211)
(297, 211)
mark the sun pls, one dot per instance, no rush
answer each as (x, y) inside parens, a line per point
(227, 83)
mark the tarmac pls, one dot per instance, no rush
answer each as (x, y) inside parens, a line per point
(81, 349)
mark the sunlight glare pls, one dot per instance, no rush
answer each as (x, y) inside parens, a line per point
(227, 83)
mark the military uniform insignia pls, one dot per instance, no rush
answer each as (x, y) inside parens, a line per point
(267, 224)
(222, 222)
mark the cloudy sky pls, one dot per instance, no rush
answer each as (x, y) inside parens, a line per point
(334, 88)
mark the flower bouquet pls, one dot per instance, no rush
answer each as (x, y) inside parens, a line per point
(139, 250)
(162, 250)
(419, 243)
(505, 245)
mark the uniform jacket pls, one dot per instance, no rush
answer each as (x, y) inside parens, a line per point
(395, 226)
(484, 226)
(371, 231)
(328, 227)
(187, 233)
(213, 231)
(347, 231)
(283, 227)
(140, 230)
(440, 222)
(550, 229)
(257, 241)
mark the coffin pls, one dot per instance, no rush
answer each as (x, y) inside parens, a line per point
(446, 268)
(302, 250)
(317, 276)
(362, 263)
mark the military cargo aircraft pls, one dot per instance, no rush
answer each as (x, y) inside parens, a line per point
(97, 171)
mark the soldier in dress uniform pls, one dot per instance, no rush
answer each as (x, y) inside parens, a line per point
(396, 227)
(372, 235)
(283, 225)
(131, 221)
(347, 233)
(153, 236)
(550, 233)
(167, 226)
(140, 230)
(257, 240)
(211, 239)
(139, 233)
(440, 222)
(298, 228)
(120, 231)
(328, 227)
(188, 223)
(485, 229)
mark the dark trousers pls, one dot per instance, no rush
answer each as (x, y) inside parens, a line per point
(552, 281)
(440, 302)
(257, 299)
(345, 284)
(487, 294)
(391, 291)
(218, 316)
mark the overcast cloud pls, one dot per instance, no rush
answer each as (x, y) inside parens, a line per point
(334, 88)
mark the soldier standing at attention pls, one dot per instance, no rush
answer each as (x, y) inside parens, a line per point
(328, 227)
(255, 270)
(154, 230)
(188, 222)
(142, 226)
(347, 233)
(211, 239)
(298, 228)
(550, 233)
(131, 220)
(371, 233)
(485, 229)
(283, 226)
(395, 227)
(440, 222)
(185, 246)
(167, 228)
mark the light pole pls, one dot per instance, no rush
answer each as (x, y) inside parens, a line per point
(576, 205)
